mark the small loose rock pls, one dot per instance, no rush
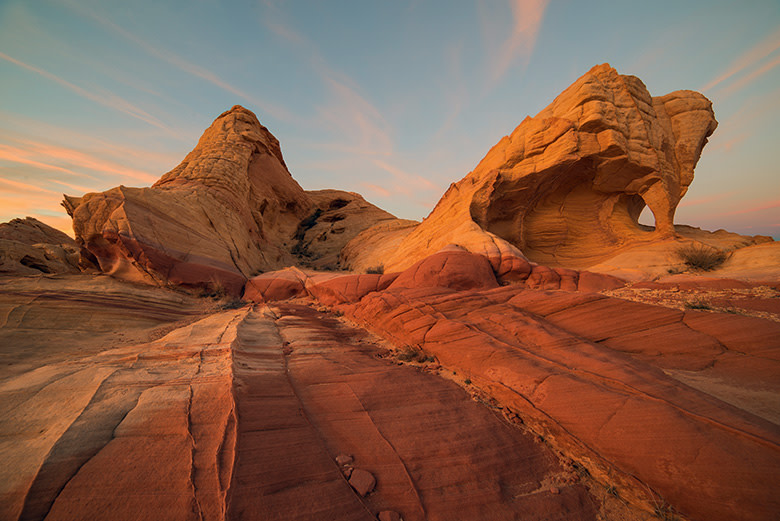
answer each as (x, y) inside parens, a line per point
(362, 481)
(390, 515)
(344, 459)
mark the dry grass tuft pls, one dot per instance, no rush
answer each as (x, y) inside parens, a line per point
(701, 257)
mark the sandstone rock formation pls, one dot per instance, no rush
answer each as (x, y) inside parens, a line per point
(473, 375)
(453, 267)
(678, 405)
(337, 217)
(566, 187)
(230, 210)
(240, 414)
(30, 247)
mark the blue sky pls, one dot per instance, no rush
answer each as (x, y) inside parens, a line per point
(395, 100)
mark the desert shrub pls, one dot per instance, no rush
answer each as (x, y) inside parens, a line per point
(697, 305)
(467, 381)
(412, 355)
(232, 303)
(700, 257)
(665, 512)
(214, 289)
(376, 270)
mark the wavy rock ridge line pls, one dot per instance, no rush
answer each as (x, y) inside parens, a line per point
(567, 186)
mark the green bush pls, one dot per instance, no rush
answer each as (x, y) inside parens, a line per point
(376, 270)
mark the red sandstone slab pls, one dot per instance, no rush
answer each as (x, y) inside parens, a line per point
(621, 414)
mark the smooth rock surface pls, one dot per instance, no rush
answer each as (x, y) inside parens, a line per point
(630, 390)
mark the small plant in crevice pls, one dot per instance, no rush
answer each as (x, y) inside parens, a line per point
(661, 508)
(664, 511)
(611, 490)
(701, 257)
(232, 303)
(699, 304)
(376, 270)
(412, 355)
(214, 290)
(467, 381)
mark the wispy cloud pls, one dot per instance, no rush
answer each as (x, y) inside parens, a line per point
(17, 128)
(754, 115)
(750, 78)
(86, 161)
(77, 188)
(51, 157)
(109, 100)
(527, 18)
(407, 181)
(182, 64)
(706, 200)
(355, 119)
(376, 189)
(749, 59)
(348, 113)
(14, 155)
(26, 187)
(35, 204)
(758, 208)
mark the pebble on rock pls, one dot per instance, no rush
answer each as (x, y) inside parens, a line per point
(362, 481)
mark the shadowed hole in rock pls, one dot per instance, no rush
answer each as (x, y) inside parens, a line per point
(34, 264)
(337, 204)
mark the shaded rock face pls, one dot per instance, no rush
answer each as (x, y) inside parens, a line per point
(230, 210)
(567, 186)
(30, 247)
(337, 217)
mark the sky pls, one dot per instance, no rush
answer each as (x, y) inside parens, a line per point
(394, 100)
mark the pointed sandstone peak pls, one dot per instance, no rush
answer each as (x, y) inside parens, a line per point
(230, 210)
(238, 157)
(221, 215)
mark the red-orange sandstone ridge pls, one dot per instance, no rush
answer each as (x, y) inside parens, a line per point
(227, 345)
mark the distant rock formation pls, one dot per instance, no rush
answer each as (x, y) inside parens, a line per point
(30, 247)
(566, 187)
(230, 210)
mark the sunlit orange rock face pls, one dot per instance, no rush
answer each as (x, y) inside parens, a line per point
(566, 186)
(230, 210)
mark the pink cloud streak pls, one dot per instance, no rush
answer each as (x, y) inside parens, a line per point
(764, 48)
(528, 16)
